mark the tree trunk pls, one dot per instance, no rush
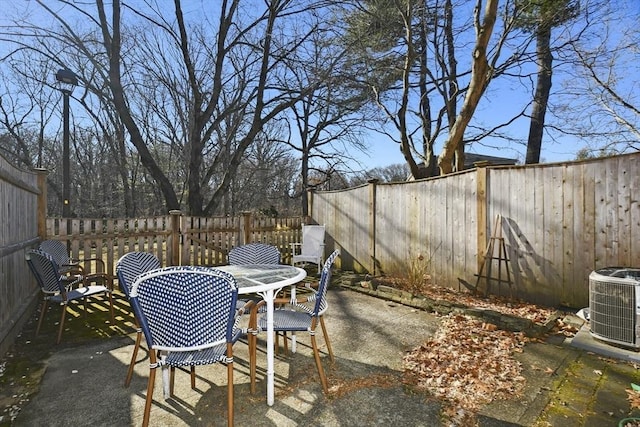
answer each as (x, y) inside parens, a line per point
(480, 77)
(112, 45)
(541, 97)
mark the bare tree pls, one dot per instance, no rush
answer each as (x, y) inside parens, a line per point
(28, 108)
(218, 84)
(326, 124)
(540, 17)
(603, 84)
(420, 45)
(481, 75)
(264, 179)
(398, 172)
(36, 54)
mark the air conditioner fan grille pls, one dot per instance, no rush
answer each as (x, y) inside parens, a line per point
(612, 309)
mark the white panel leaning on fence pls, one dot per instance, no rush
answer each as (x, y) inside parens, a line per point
(311, 250)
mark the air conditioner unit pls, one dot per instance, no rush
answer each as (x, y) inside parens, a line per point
(614, 305)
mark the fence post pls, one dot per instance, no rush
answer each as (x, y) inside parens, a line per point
(308, 219)
(373, 184)
(245, 228)
(42, 203)
(481, 203)
(174, 238)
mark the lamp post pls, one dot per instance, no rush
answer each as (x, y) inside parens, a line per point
(67, 81)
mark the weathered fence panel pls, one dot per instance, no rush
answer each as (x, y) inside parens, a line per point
(349, 219)
(175, 239)
(19, 230)
(559, 222)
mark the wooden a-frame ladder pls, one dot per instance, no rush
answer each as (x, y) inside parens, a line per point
(496, 239)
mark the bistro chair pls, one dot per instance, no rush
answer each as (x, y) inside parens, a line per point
(304, 316)
(254, 253)
(72, 268)
(188, 318)
(128, 268)
(56, 289)
(311, 249)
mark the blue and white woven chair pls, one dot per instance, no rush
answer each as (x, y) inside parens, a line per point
(254, 253)
(306, 313)
(58, 251)
(188, 318)
(128, 268)
(57, 289)
(72, 268)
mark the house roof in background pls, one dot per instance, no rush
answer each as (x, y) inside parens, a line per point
(471, 158)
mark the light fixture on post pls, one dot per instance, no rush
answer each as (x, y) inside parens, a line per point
(67, 81)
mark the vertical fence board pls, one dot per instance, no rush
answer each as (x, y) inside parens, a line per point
(536, 232)
(588, 232)
(624, 210)
(634, 210)
(612, 224)
(575, 282)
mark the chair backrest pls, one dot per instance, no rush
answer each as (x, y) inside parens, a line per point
(133, 264)
(185, 308)
(58, 251)
(45, 270)
(312, 240)
(325, 278)
(254, 253)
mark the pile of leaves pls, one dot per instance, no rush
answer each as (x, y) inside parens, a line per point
(504, 305)
(466, 364)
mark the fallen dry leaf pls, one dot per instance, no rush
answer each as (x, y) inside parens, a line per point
(634, 398)
(467, 364)
(536, 314)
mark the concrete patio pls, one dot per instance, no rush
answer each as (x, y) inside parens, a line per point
(83, 384)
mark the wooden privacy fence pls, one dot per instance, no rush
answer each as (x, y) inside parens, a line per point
(20, 195)
(175, 239)
(559, 222)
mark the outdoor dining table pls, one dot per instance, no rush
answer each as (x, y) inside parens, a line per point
(265, 280)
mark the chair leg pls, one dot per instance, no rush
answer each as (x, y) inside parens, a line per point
(230, 385)
(150, 385)
(316, 356)
(252, 360)
(326, 339)
(193, 377)
(42, 311)
(62, 317)
(134, 356)
(285, 345)
(111, 307)
(172, 380)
